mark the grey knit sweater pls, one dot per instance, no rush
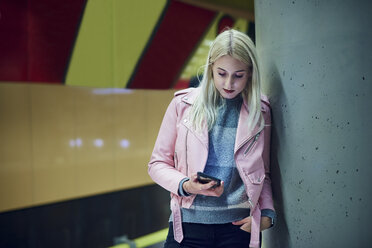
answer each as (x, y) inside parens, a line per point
(232, 205)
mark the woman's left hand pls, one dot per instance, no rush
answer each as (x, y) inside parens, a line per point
(246, 223)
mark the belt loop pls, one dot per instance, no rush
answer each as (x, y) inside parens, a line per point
(177, 220)
(255, 227)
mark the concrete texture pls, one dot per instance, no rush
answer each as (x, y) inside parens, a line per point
(316, 58)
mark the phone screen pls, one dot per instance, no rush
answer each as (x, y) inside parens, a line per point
(204, 178)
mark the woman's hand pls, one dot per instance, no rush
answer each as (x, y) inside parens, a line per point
(246, 223)
(194, 187)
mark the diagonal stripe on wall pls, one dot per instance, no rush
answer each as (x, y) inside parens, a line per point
(176, 37)
(111, 39)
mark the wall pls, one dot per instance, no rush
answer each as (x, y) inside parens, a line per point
(316, 59)
(108, 44)
(95, 221)
(60, 142)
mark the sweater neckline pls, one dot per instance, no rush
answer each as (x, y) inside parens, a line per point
(233, 101)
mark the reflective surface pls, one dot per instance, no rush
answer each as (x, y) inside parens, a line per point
(61, 142)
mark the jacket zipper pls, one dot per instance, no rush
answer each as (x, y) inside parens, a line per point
(253, 140)
(247, 140)
(187, 166)
(250, 203)
(175, 160)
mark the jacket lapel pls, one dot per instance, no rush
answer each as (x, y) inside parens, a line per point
(242, 132)
(203, 134)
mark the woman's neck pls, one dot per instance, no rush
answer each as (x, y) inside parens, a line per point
(237, 99)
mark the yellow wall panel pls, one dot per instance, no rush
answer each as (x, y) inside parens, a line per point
(130, 138)
(111, 39)
(16, 189)
(15, 146)
(53, 126)
(157, 103)
(136, 129)
(95, 156)
(60, 142)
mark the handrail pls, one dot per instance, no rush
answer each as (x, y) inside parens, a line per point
(146, 240)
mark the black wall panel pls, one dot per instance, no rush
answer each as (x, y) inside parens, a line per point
(87, 222)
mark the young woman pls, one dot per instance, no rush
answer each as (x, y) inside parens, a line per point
(221, 128)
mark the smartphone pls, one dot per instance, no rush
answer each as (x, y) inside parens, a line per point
(204, 178)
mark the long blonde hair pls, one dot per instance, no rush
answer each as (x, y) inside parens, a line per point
(239, 46)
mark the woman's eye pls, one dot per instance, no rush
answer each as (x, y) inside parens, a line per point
(239, 76)
(221, 74)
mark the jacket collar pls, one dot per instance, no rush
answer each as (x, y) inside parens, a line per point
(189, 95)
(242, 133)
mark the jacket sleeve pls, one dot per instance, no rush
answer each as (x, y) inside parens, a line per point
(266, 198)
(161, 167)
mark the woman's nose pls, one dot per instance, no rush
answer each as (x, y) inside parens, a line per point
(228, 83)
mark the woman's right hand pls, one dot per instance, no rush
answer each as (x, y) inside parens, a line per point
(193, 186)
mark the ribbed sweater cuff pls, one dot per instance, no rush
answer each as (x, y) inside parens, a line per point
(181, 192)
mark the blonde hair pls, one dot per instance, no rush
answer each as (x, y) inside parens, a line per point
(239, 46)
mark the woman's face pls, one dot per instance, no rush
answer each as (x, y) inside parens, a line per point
(230, 76)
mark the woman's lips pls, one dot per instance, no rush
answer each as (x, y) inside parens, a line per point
(228, 91)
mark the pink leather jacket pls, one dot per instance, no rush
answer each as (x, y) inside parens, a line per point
(181, 151)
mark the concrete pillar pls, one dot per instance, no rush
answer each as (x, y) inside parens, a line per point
(317, 70)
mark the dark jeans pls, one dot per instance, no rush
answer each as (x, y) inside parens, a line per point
(209, 236)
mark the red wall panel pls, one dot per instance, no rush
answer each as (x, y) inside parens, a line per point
(37, 37)
(13, 40)
(176, 37)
